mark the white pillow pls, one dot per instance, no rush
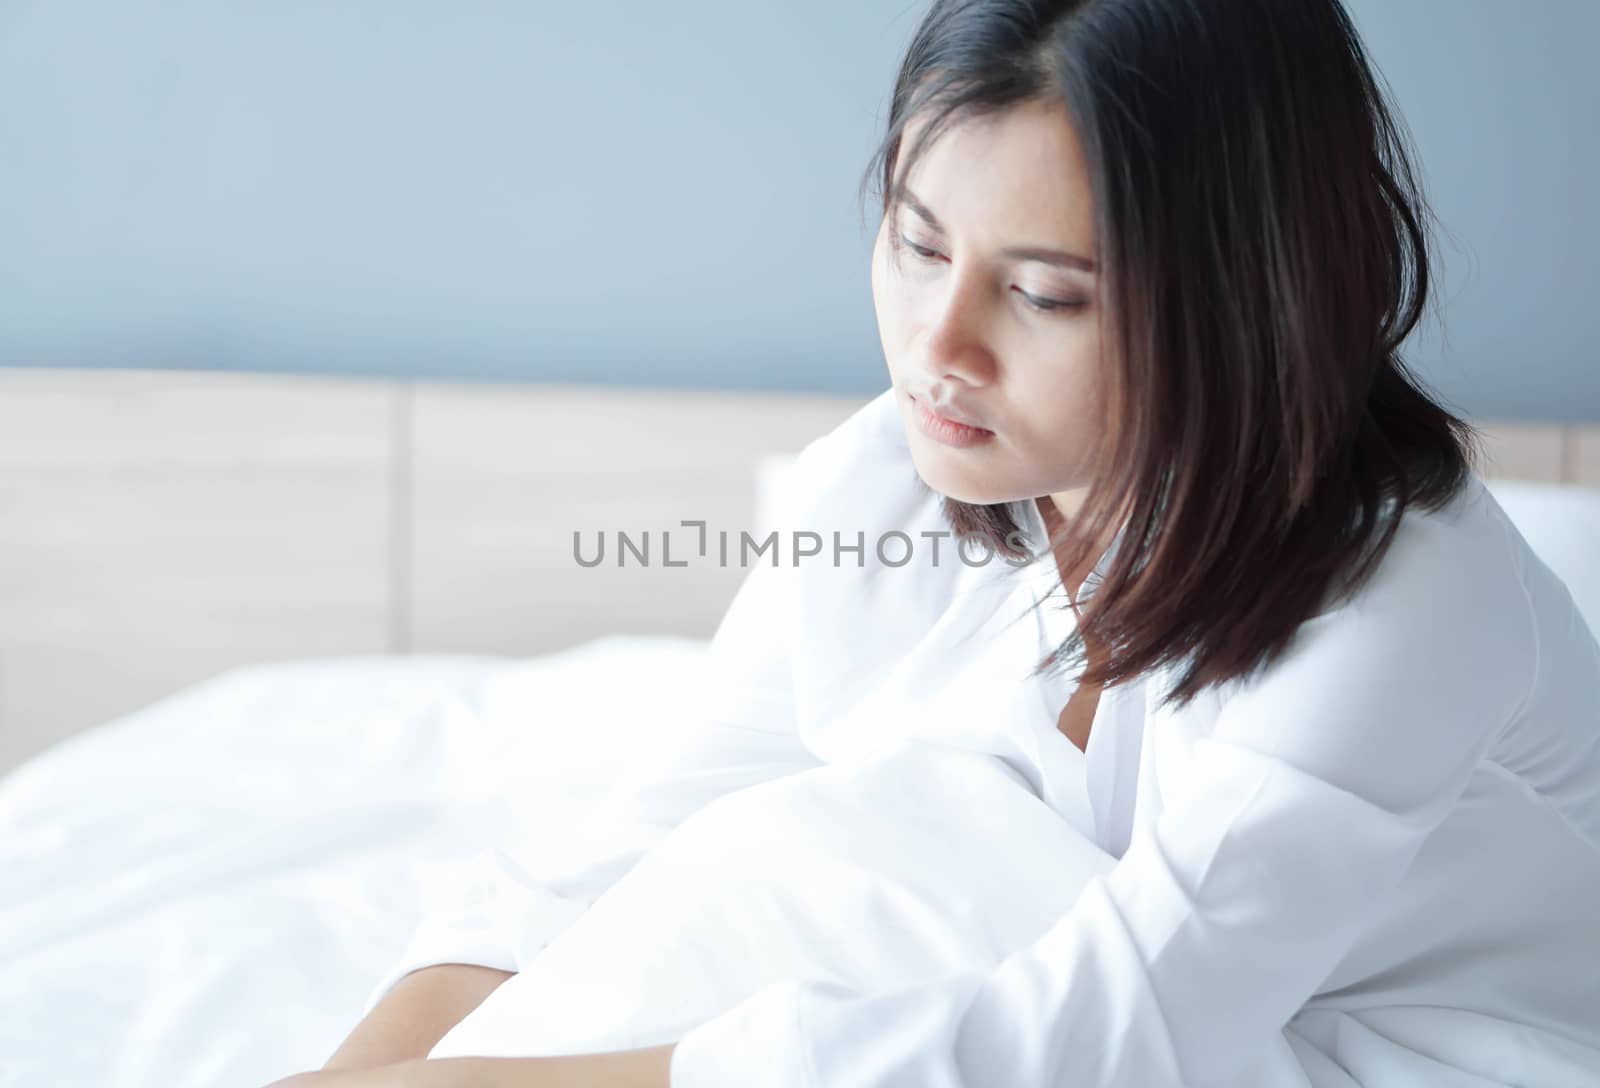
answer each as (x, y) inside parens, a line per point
(1561, 523)
(772, 477)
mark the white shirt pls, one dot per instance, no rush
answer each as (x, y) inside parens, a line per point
(1375, 863)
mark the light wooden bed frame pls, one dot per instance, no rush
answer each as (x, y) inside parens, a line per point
(159, 527)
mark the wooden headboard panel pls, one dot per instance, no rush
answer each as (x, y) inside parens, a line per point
(159, 527)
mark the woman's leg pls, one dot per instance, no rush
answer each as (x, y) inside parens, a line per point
(925, 860)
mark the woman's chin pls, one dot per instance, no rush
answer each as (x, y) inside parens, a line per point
(959, 486)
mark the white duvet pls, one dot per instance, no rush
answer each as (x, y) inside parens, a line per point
(203, 893)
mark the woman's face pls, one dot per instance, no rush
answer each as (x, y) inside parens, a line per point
(996, 318)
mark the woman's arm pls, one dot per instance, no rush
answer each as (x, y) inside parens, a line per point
(415, 1014)
(647, 1068)
(510, 899)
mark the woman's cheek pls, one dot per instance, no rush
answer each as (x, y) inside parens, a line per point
(891, 304)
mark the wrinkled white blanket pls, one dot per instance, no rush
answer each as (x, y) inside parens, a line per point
(203, 893)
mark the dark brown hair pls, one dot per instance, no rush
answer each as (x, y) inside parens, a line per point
(1264, 250)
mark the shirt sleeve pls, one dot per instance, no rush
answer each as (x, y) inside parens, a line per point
(504, 904)
(1283, 822)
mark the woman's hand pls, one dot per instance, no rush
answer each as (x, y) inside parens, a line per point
(380, 1076)
(649, 1067)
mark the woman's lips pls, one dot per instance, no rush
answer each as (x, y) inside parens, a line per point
(947, 431)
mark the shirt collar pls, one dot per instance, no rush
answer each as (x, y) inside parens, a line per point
(1042, 569)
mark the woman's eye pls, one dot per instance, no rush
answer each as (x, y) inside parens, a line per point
(1043, 305)
(1047, 305)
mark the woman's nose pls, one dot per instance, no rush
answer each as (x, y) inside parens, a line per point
(957, 345)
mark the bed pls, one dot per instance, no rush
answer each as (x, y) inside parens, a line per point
(202, 892)
(201, 889)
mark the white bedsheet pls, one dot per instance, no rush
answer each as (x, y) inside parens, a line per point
(202, 893)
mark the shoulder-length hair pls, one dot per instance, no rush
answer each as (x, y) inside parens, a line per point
(1264, 250)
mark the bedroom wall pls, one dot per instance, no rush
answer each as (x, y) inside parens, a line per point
(1500, 100)
(639, 193)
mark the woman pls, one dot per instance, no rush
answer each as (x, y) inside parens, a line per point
(1315, 734)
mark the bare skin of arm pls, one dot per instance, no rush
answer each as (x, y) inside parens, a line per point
(415, 1014)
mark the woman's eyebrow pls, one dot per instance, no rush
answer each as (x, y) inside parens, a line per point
(1044, 255)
